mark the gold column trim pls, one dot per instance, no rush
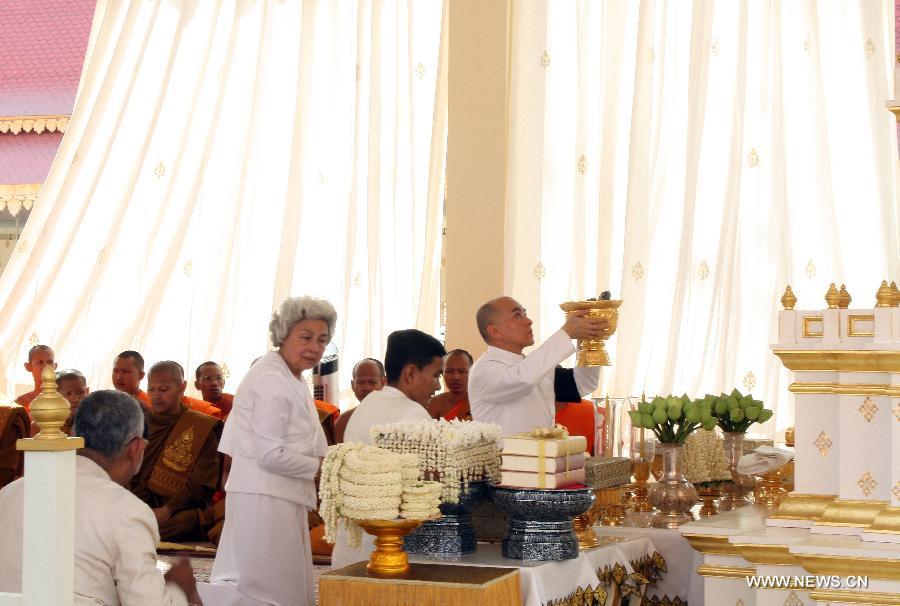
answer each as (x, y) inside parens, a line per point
(887, 521)
(846, 512)
(868, 598)
(725, 572)
(851, 325)
(859, 389)
(759, 553)
(840, 360)
(808, 331)
(712, 544)
(846, 566)
(34, 124)
(800, 506)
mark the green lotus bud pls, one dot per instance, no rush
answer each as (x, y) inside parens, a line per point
(705, 415)
(736, 394)
(745, 401)
(660, 415)
(706, 404)
(635, 416)
(736, 415)
(646, 408)
(674, 413)
(752, 413)
(721, 406)
(692, 414)
(764, 415)
(759, 403)
(672, 400)
(647, 421)
(659, 402)
(685, 398)
(733, 403)
(709, 424)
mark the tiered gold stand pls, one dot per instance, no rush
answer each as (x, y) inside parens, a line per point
(388, 559)
(592, 352)
(583, 526)
(771, 491)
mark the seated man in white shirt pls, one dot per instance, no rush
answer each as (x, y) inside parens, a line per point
(115, 533)
(516, 391)
(413, 362)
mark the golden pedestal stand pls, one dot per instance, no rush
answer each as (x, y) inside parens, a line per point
(583, 526)
(388, 559)
(771, 491)
(708, 497)
(592, 352)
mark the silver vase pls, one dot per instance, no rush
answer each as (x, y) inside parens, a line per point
(672, 495)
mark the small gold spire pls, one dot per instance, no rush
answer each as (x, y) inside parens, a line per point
(844, 297)
(885, 295)
(49, 410)
(896, 292)
(832, 296)
(788, 299)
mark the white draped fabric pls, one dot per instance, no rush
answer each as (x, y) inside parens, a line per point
(223, 155)
(694, 158)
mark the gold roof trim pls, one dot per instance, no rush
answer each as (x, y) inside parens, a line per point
(840, 360)
(34, 124)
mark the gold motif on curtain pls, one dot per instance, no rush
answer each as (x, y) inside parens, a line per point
(869, 48)
(823, 443)
(540, 271)
(160, 170)
(545, 60)
(651, 56)
(637, 272)
(704, 270)
(867, 483)
(810, 270)
(753, 158)
(868, 409)
(750, 381)
(22, 248)
(420, 71)
(807, 45)
(358, 72)
(715, 48)
(582, 164)
(226, 371)
(33, 339)
(188, 268)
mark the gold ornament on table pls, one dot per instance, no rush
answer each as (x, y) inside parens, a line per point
(592, 352)
(771, 491)
(583, 525)
(832, 297)
(844, 298)
(884, 297)
(789, 436)
(388, 559)
(788, 299)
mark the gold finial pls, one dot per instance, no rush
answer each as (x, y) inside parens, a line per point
(788, 299)
(885, 295)
(844, 297)
(832, 296)
(896, 292)
(49, 410)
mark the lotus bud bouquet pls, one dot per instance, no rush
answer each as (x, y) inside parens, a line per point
(736, 412)
(672, 419)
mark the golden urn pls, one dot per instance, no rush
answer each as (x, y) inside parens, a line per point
(388, 559)
(592, 352)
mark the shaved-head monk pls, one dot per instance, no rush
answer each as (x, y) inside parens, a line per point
(515, 391)
(454, 403)
(210, 380)
(72, 385)
(127, 374)
(180, 471)
(39, 357)
(368, 376)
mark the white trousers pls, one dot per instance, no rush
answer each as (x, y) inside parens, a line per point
(264, 554)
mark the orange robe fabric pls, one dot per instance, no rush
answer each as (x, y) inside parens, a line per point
(142, 397)
(202, 406)
(14, 424)
(578, 418)
(26, 399)
(329, 407)
(226, 401)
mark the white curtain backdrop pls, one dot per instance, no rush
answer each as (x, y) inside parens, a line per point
(694, 158)
(223, 155)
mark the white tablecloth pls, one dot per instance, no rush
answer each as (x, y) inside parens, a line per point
(552, 583)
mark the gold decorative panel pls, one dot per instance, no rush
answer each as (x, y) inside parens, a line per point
(868, 409)
(867, 484)
(823, 443)
(813, 326)
(793, 600)
(853, 330)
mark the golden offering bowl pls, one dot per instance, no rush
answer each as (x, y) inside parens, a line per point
(388, 559)
(583, 526)
(771, 491)
(592, 352)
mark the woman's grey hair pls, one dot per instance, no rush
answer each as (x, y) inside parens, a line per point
(108, 420)
(295, 309)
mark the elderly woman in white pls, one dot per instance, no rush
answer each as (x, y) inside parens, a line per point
(276, 443)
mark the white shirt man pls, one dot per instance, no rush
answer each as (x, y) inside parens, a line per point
(115, 532)
(413, 361)
(516, 391)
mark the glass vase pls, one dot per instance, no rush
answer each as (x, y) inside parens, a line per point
(736, 493)
(672, 496)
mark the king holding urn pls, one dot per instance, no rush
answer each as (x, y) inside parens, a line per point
(592, 351)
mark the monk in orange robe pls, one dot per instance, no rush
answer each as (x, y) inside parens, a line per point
(39, 356)
(181, 468)
(579, 418)
(211, 383)
(453, 403)
(127, 374)
(368, 376)
(14, 424)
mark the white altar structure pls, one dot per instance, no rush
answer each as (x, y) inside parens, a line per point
(836, 539)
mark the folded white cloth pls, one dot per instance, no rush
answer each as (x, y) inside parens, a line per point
(763, 460)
